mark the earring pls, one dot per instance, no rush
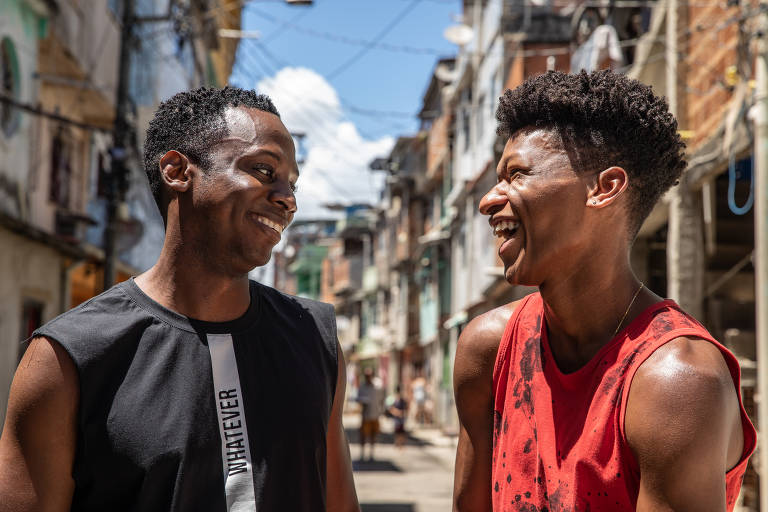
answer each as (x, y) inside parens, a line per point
(594, 201)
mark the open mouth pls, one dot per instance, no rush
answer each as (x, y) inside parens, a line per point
(270, 224)
(506, 229)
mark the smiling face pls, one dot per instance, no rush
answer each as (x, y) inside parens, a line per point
(241, 205)
(539, 209)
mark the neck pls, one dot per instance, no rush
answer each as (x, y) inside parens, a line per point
(182, 282)
(584, 308)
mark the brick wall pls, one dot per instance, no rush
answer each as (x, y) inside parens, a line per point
(437, 144)
(522, 65)
(709, 38)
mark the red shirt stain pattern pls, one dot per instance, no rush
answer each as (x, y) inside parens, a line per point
(558, 439)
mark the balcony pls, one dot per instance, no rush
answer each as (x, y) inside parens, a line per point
(352, 226)
(347, 275)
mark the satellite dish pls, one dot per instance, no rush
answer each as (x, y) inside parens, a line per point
(459, 34)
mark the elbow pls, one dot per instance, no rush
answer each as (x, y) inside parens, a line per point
(462, 502)
(470, 500)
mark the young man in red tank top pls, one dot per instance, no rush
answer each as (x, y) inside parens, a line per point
(594, 393)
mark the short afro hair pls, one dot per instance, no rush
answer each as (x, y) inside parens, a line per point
(603, 119)
(192, 122)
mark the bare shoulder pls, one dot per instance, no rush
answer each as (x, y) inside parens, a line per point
(46, 386)
(38, 440)
(45, 370)
(481, 337)
(683, 390)
(684, 368)
(479, 342)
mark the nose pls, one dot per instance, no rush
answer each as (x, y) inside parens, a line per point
(285, 198)
(494, 200)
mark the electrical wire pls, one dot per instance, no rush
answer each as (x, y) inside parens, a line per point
(31, 109)
(345, 104)
(336, 38)
(279, 63)
(279, 30)
(310, 119)
(381, 35)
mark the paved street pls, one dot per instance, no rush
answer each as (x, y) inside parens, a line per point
(417, 478)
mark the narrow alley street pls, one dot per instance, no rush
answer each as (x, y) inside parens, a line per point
(416, 478)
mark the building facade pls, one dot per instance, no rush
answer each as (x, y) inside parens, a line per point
(59, 62)
(434, 258)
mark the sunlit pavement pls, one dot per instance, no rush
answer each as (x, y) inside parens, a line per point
(417, 478)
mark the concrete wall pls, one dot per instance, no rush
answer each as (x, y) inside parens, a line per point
(28, 271)
(21, 25)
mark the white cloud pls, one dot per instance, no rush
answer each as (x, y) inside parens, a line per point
(336, 154)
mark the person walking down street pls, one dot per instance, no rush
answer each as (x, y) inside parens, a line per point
(371, 398)
(593, 393)
(190, 387)
(398, 410)
(420, 397)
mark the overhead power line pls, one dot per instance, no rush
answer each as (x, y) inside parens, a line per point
(8, 100)
(336, 38)
(279, 63)
(381, 35)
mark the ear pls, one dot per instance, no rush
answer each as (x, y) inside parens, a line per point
(607, 187)
(176, 171)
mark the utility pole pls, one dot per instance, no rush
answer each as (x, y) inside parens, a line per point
(761, 246)
(118, 175)
(685, 236)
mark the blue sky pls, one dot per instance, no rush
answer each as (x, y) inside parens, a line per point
(381, 80)
(303, 61)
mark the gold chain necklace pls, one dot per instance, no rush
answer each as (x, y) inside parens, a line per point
(627, 311)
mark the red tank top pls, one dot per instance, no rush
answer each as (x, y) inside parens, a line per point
(558, 440)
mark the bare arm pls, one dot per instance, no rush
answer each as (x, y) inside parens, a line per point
(472, 381)
(683, 424)
(340, 486)
(37, 446)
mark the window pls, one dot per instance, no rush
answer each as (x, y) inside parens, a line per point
(61, 169)
(480, 118)
(465, 120)
(466, 116)
(9, 87)
(102, 177)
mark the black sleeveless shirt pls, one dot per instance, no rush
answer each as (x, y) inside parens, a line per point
(183, 415)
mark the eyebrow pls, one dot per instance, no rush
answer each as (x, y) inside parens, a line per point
(274, 155)
(518, 159)
(269, 152)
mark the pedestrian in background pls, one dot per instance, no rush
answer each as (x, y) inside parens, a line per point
(420, 397)
(190, 387)
(370, 395)
(398, 410)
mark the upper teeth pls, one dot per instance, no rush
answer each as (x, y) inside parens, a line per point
(505, 225)
(274, 225)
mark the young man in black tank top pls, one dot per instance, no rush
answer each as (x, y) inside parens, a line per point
(190, 388)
